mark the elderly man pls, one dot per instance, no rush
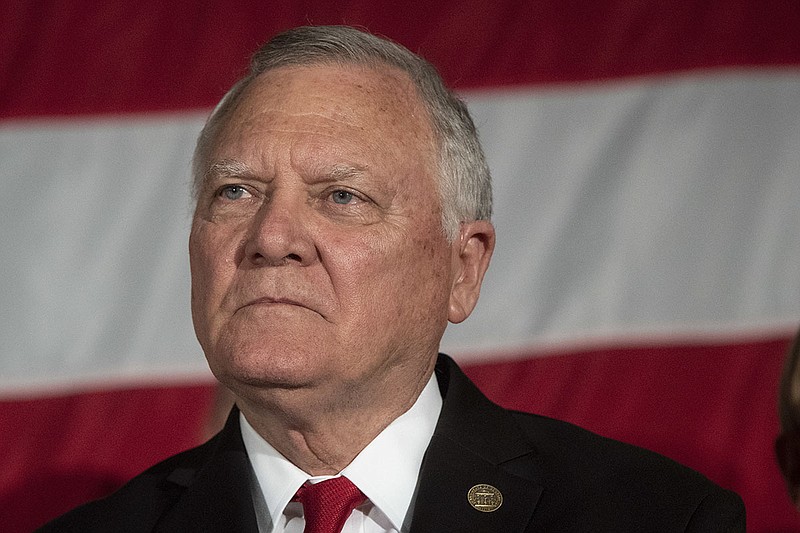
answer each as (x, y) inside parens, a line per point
(342, 220)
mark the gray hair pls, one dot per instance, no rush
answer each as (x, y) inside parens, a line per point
(465, 186)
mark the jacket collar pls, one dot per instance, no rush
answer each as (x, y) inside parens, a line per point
(476, 443)
(216, 495)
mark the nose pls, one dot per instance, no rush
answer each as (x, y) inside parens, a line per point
(279, 233)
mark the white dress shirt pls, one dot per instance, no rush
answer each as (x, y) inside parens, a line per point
(386, 471)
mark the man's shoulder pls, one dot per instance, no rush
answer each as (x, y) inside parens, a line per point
(560, 477)
(141, 502)
(587, 469)
(572, 448)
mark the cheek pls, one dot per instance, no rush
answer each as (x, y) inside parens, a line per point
(212, 265)
(393, 274)
(431, 267)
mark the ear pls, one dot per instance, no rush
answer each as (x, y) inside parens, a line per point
(471, 255)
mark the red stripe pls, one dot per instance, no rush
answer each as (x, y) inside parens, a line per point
(674, 400)
(56, 453)
(65, 58)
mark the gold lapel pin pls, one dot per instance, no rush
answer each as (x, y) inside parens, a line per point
(485, 498)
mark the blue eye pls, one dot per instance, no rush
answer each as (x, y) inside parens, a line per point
(233, 192)
(342, 197)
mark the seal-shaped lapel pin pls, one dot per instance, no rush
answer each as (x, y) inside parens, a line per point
(485, 498)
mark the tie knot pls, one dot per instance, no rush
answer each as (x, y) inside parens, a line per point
(328, 504)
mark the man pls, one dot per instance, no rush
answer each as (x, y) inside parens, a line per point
(342, 219)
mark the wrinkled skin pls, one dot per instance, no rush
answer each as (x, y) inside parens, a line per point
(321, 277)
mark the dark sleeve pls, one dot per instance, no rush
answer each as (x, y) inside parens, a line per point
(721, 511)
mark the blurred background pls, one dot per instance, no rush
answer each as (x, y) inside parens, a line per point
(646, 283)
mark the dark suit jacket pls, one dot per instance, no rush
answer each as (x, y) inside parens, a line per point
(553, 476)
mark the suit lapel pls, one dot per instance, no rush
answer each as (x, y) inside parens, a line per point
(217, 494)
(475, 443)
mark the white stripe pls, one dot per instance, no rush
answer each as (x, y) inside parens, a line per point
(95, 219)
(665, 206)
(630, 210)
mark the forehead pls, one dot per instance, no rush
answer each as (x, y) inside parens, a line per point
(373, 108)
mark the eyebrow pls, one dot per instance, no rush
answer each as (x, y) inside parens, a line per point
(228, 168)
(231, 168)
(345, 173)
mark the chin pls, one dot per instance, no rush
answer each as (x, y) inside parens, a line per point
(265, 369)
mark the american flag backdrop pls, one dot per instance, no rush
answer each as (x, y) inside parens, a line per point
(646, 282)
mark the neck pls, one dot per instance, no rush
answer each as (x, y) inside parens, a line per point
(322, 432)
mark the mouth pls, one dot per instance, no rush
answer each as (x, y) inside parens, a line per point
(268, 301)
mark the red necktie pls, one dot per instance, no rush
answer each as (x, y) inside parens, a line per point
(328, 504)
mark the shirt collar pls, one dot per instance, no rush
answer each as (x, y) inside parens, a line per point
(395, 454)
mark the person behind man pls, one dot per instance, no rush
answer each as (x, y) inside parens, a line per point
(787, 445)
(342, 219)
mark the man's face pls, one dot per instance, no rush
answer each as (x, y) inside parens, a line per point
(317, 253)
